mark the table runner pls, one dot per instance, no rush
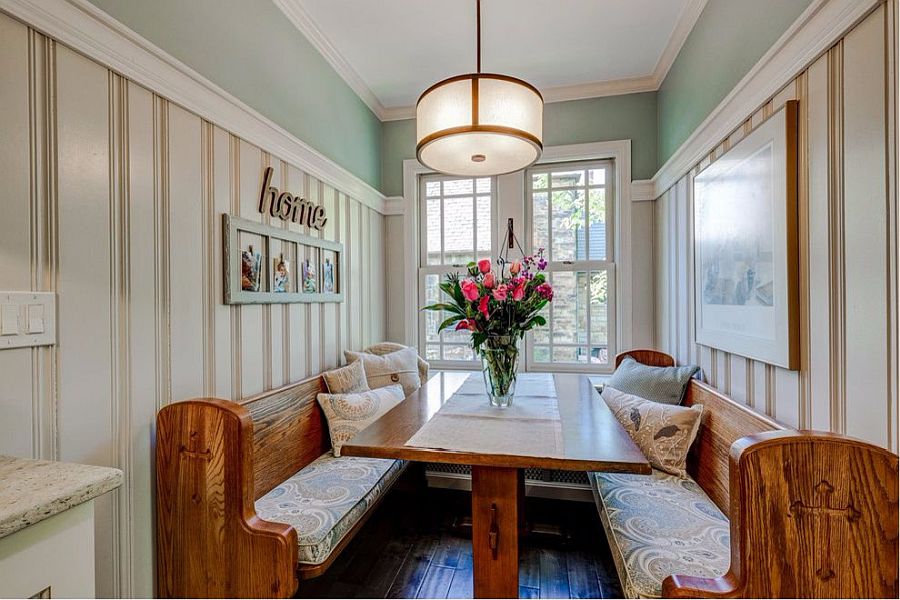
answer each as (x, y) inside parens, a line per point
(467, 422)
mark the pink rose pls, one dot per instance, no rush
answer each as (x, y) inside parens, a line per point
(469, 289)
(545, 291)
(500, 292)
(484, 265)
(483, 307)
(489, 280)
(515, 268)
(519, 292)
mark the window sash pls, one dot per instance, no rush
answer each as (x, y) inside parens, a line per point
(573, 266)
(445, 268)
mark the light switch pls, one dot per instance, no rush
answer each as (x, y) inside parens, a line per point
(9, 319)
(27, 319)
(35, 318)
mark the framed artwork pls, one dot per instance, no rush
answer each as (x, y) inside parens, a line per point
(292, 274)
(745, 246)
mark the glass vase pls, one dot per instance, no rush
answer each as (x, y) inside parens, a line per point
(500, 363)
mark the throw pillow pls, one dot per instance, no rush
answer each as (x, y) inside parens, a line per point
(388, 369)
(663, 432)
(346, 380)
(660, 384)
(348, 414)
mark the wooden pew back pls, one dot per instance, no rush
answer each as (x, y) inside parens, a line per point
(723, 423)
(289, 432)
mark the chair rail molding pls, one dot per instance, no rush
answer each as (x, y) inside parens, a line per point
(90, 31)
(818, 28)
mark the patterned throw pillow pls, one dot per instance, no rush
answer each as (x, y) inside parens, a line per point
(348, 414)
(346, 380)
(660, 384)
(663, 432)
(400, 367)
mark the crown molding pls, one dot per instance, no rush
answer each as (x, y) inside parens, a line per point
(297, 15)
(642, 190)
(294, 11)
(90, 31)
(683, 27)
(819, 27)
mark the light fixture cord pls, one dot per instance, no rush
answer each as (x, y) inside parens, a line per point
(478, 30)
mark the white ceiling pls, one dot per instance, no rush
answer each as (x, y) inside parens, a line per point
(389, 51)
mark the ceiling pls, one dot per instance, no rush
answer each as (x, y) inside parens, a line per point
(389, 51)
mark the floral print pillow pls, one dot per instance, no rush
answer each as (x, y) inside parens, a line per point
(663, 432)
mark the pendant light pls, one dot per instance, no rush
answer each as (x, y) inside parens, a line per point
(479, 124)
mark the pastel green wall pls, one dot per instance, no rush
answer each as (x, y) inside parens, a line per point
(728, 39)
(632, 116)
(251, 50)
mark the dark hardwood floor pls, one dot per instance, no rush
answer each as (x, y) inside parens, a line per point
(416, 545)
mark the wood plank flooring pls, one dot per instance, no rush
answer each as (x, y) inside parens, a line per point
(416, 546)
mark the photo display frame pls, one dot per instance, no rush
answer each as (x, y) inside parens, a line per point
(269, 265)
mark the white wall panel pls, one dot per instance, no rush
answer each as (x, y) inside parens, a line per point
(15, 230)
(844, 142)
(115, 197)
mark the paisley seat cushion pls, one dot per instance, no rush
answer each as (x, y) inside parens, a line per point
(325, 499)
(660, 525)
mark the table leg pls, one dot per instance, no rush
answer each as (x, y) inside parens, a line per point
(497, 495)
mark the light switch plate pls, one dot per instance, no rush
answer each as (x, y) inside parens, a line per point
(27, 319)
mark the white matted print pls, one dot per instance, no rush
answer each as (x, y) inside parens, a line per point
(745, 254)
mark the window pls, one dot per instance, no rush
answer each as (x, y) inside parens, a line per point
(457, 219)
(570, 213)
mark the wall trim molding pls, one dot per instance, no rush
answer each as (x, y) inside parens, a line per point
(819, 27)
(296, 14)
(90, 31)
(393, 205)
(642, 190)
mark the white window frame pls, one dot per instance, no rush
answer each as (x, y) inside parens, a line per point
(513, 186)
(425, 269)
(575, 266)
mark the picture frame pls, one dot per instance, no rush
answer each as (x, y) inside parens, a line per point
(279, 266)
(746, 265)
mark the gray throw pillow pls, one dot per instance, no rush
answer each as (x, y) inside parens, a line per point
(660, 384)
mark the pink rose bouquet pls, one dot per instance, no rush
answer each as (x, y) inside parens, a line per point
(502, 303)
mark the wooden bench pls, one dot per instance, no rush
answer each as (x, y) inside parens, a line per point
(810, 514)
(214, 460)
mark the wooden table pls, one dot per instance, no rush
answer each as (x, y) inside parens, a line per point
(593, 440)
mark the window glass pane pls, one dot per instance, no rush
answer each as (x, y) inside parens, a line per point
(599, 355)
(569, 323)
(597, 223)
(568, 225)
(484, 226)
(542, 334)
(599, 308)
(541, 354)
(432, 188)
(539, 181)
(433, 231)
(432, 318)
(539, 221)
(453, 187)
(597, 176)
(459, 239)
(483, 185)
(564, 354)
(567, 178)
(432, 352)
(458, 353)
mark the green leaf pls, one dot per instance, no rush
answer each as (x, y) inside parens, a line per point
(448, 307)
(448, 322)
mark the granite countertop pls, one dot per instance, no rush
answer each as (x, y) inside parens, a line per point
(33, 490)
